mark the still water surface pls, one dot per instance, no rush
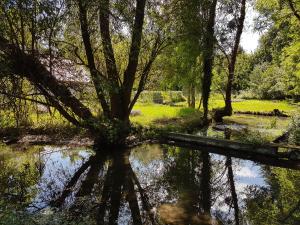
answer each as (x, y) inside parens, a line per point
(150, 184)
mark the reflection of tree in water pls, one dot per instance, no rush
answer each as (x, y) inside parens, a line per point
(202, 187)
(17, 178)
(172, 186)
(277, 204)
(191, 184)
(189, 176)
(111, 180)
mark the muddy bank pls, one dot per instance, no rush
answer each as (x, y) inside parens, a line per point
(52, 136)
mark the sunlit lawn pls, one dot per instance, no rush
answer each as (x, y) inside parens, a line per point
(152, 112)
(256, 105)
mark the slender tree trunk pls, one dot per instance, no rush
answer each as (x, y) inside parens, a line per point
(189, 96)
(231, 66)
(193, 100)
(208, 55)
(33, 28)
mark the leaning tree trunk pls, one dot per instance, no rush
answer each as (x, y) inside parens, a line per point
(208, 55)
(232, 61)
(112, 88)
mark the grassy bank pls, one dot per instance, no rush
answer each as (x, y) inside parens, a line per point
(256, 105)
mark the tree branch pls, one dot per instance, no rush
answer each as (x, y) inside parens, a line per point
(129, 74)
(109, 55)
(25, 65)
(90, 58)
(292, 7)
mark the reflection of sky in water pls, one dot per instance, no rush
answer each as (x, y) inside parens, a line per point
(58, 167)
(245, 171)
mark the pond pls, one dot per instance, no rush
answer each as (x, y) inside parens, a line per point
(150, 184)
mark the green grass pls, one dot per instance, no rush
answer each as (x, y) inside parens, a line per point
(270, 127)
(263, 122)
(153, 112)
(256, 105)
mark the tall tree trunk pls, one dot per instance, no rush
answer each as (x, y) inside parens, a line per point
(189, 96)
(208, 56)
(136, 39)
(231, 66)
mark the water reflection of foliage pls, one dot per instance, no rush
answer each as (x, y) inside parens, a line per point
(18, 175)
(202, 184)
(189, 176)
(105, 188)
(279, 203)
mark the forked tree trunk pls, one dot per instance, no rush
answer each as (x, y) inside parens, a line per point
(112, 88)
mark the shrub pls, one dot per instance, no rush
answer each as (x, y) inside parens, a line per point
(157, 98)
(294, 130)
(267, 82)
(161, 97)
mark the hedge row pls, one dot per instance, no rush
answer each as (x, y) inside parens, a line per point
(161, 97)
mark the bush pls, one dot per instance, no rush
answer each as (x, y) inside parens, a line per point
(294, 131)
(248, 94)
(161, 97)
(267, 82)
(157, 98)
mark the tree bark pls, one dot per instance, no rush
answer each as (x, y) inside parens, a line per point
(193, 98)
(208, 57)
(129, 74)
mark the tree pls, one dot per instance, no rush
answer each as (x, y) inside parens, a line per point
(231, 43)
(113, 87)
(277, 57)
(208, 54)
